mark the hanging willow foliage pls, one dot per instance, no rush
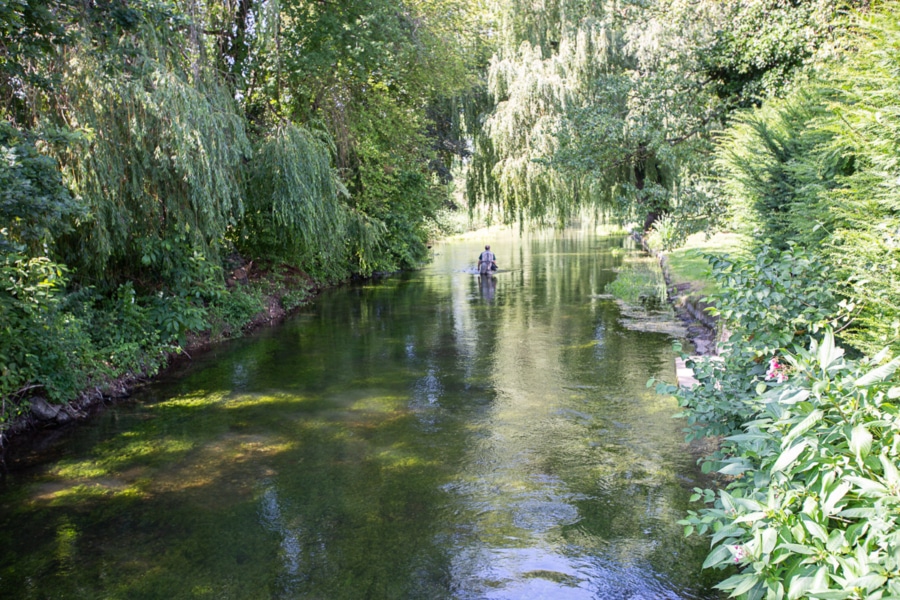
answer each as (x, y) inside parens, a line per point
(158, 159)
(294, 209)
(513, 167)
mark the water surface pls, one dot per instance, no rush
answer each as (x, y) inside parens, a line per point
(428, 435)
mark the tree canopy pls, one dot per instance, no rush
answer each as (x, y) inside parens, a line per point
(146, 144)
(152, 151)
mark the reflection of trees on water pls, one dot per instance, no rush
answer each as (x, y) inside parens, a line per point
(432, 443)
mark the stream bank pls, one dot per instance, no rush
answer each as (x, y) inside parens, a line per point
(287, 289)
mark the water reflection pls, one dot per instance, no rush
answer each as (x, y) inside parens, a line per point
(487, 285)
(432, 435)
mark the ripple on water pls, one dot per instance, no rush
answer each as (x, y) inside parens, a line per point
(545, 572)
(540, 516)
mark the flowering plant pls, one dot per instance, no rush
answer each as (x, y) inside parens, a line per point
(814, 508)
(777, 371)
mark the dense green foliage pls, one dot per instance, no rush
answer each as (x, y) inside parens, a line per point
(813, 510)
(768, 302)
(817, 169)
(35, 206)
(809, 439)
(152, 151)
(612, 105)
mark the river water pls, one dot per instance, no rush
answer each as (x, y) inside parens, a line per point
(429, 435)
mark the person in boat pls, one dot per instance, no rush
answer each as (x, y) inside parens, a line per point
(487, 262)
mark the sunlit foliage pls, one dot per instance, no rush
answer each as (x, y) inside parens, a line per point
(817, 168)
(612, 105)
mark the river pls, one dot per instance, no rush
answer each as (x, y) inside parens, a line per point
(427, 435)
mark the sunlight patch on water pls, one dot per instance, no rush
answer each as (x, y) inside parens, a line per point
(115, 457)
(261, 400)
(80, 493)
(197, 399)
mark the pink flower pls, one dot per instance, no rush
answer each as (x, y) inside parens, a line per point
(776, 371)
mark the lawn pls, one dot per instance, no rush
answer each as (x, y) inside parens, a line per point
(689, 271)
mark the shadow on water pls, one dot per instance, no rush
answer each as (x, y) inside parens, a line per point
(432, 435)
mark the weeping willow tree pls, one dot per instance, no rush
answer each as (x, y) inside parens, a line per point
(613, 104)
(545, 62)
(571, 125)
(156, 156)
(296, 208)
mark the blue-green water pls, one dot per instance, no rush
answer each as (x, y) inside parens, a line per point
(430, 435)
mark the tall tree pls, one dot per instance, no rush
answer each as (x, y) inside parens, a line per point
(613, 104)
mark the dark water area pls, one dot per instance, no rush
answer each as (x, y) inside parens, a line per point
(429, 435)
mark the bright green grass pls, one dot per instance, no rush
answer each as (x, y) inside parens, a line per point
(687, 265)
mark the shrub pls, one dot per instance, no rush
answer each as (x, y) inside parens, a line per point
(235, 309)
(665, 234)
(43, 348)
(123, 332)
(814, 506)
(766, 302)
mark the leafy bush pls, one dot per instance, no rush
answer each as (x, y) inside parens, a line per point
(121, 330)
(296, 296)
(234, 310)
(810, 440)
(768, 300)
(765, 302)
(814, 507)
(35, 206)
(43, 348)
(819, 168)
(666, 234)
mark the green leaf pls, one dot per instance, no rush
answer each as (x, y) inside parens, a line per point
(799, 586)
(717, 556)
(828, 353)
(833, 497)
(788, 457)
(870, 582)
(858, 513)
(735, 468)
(751, 517)
(798, 548)
(866, 487)
(816, 530)
(790, 396)
(769, 540)
(891, 474)
(879, 374)
(747, 437)
(860, 441)
(749, 582)
(802, 427)
(836, 540)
